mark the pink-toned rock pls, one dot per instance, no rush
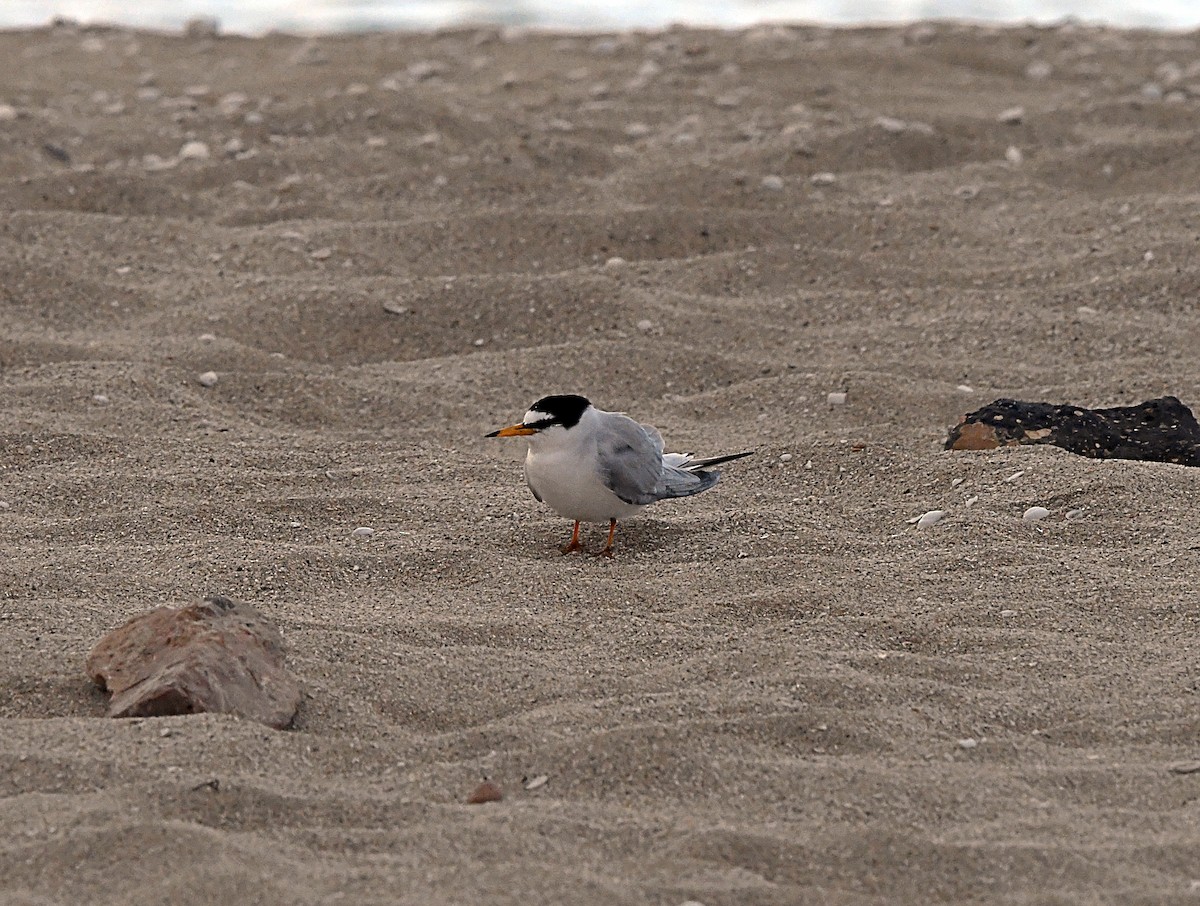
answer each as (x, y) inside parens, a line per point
(219, 655)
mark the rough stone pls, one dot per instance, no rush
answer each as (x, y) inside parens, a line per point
(1159, 430)
(220, 655)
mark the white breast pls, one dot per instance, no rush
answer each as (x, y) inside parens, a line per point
(565, 478)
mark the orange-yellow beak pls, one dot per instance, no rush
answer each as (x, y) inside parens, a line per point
(513, 431)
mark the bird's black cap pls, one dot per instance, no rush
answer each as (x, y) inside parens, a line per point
(563, 409)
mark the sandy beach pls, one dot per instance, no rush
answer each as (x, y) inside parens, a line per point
(374, 249)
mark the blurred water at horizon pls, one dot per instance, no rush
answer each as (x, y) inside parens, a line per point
(258, 16)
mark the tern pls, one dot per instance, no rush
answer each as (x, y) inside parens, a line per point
(595, 466)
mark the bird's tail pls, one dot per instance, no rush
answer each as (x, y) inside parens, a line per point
(684, 476)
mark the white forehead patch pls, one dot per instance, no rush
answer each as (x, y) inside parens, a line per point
(533, 416)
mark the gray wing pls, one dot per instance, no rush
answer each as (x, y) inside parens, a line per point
(631, 464)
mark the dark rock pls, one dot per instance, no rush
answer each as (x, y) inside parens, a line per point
(485, 792)
(220, 655)
(1160, 430)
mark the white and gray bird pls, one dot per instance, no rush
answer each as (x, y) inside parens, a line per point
(595, 466)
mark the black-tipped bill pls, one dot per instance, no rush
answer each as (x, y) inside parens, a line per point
(513, 431)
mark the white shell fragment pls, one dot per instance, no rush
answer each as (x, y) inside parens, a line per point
(1035, 514)
(933, 517)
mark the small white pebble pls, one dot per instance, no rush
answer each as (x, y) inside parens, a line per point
(194, 151)
(890, 124)
(207, 337)
(837, 398)
(293, 524)
(956, 482)
(1074, 514)
(480, 342)
(1038, 70)
(772, 183)
(8, 113)
(1148, 257)
(785, 457)
(1011, 116)
(933, 517)
(615, 262)
(208, 379)
(965, 388)
(1015, 475)
(321, 254)
(1035, 514)
(1014, 155)
(971, 501)
(823, 179)
(362, 532)
(1008, 613)
(968, 743)
(100, 399)
(645, 325)
(4, 504)
(808, 465)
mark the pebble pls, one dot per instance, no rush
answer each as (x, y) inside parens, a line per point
(8, 113)
(785, 457)
(202, 27)
(837, 398)
(423, 70)
(933, 517)
(965, 388)
(1039, 70)
(823, 179)
(362, 532)
(4, 504)
(100, 399)
(772, 183)
(534, 783)
(395, 308)
(1035, 514)
(1008, 613)
(321, 254)
(615, 262)
(971, 501)
(1014, 155)
(645, 325)
(890, 124)
(1011, 116)
(968, 743)
(1148, 257)
(206, 337)
(637, 130)
(194, 151)
(207, 379)
(1074, 514)
(1184, 767)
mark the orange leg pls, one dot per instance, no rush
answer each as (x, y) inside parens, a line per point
(573, 544)
(608, 548)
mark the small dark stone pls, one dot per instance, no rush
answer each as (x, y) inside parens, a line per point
(58, 152)
(1159, 430)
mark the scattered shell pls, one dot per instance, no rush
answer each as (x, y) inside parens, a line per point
(1008, 613)
(395, 308)
(208, 379)
(823, 179)
(837, 398)
(534, 783)
(1035, 514)
(362, 532)
(1184, 767)
(965, 388)
(971, 501)
(772, 183)
(485, 792)
(1015, 475)
(933, 517)
(1011, 116)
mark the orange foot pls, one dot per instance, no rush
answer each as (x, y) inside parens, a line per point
(607, 553)
(573, 544)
